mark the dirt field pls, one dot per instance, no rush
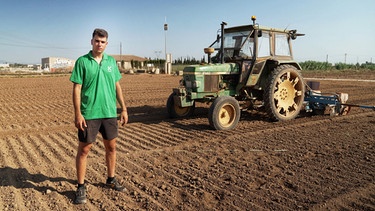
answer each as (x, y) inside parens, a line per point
(310, 163)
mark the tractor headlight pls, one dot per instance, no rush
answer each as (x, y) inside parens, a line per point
(181, 82)
(196, 84)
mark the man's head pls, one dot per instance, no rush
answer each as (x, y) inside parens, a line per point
(99, 41)
(100, 33)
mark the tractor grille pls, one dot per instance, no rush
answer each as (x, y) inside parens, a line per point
(211, 83)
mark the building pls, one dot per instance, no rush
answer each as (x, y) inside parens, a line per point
(3, 65)
(57, 64)
(127, 62)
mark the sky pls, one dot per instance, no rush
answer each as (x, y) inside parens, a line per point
(336, 30)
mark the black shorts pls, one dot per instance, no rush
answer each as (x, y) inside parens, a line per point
(107, 127)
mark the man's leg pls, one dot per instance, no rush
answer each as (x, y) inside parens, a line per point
(81, 161)
(110, 156)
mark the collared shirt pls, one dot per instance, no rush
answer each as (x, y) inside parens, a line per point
(98, 93)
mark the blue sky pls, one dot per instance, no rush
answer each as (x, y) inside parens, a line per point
(31, 30)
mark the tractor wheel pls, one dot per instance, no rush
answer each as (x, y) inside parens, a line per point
(224, 113)
(175, 111)
(284, 93)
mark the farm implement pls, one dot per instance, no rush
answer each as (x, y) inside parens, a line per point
(318, 102)
(252, 68)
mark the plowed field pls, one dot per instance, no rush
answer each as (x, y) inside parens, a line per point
(309, 163)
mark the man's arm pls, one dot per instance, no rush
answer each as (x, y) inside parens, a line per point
(120, 99)
(79, 120)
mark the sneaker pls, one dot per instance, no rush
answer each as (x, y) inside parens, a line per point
(80, 195)
(115, 185)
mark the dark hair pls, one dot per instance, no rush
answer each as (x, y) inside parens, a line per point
(100, 33)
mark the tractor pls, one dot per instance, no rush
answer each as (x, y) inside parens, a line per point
(248, 67)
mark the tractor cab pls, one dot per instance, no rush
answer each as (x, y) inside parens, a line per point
(252, 42)
(238, 44)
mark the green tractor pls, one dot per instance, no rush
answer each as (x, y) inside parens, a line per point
(253, 67)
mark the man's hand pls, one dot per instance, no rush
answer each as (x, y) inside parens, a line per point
(123, 117)
(80, 122)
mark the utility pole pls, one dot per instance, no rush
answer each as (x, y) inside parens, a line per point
(345, 58)
(121, 56)
(165, 46)
(157, 54)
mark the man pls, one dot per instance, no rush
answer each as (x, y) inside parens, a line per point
(96, 87)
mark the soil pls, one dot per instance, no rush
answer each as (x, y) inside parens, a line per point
(309, 163)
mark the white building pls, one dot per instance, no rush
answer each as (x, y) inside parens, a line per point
(4, 65)
(57, 64)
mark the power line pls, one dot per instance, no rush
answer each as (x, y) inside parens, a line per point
(36, 46)
(45, 47)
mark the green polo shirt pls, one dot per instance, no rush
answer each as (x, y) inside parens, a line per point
(98, 93)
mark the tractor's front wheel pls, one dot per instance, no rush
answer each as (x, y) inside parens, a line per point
(224, 113)
(284, 93)
(176, 111)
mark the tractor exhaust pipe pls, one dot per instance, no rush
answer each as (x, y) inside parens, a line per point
(222, 42)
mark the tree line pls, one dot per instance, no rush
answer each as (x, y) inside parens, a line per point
(306, 65)
(178, 61)
(315, 65)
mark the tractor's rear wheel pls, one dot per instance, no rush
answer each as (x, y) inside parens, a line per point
(284, 93)
(224, 113)
(176, 111)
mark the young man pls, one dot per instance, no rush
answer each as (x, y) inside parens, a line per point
(96, 87)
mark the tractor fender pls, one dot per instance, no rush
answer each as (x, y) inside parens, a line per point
(267, 69)
(292, 63)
